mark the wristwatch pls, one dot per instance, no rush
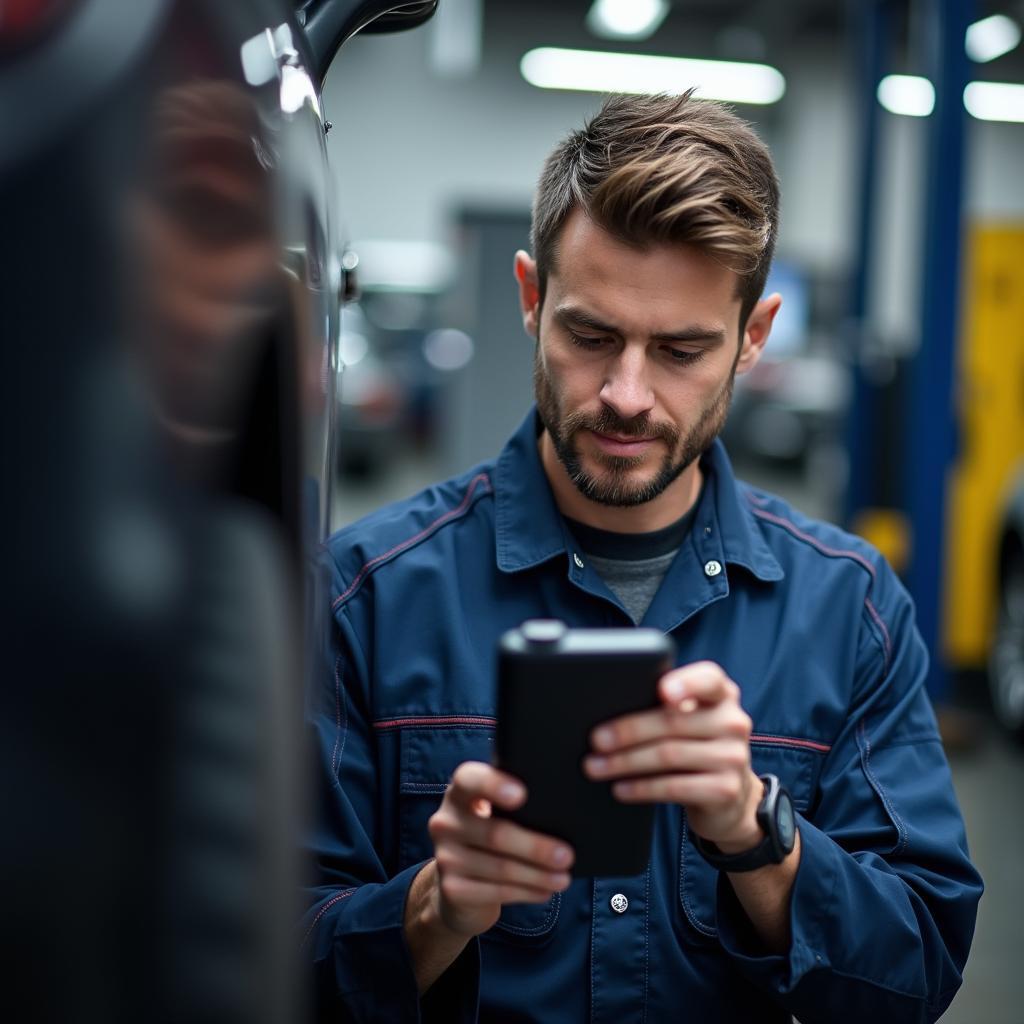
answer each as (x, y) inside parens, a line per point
(778, 822)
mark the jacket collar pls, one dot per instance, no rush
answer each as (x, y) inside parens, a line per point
(530, 529)
(528, 525)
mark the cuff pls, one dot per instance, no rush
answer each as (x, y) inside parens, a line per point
(810, 898)
(363, 967)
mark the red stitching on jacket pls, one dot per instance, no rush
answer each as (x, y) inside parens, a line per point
(887, 640)
(483, 720)
(323, 910)
(790, 741)
(451, 514)
(398, 723)
(841, 553)
(797, 532)
(337, 714)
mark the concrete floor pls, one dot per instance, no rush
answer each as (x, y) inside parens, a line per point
(989, 779)
(989, 782)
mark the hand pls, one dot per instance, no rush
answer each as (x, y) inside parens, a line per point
(693, 750)
(483, 861)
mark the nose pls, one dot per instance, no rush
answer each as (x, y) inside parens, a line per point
(626, 390)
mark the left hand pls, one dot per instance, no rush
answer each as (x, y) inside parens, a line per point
(693, 750)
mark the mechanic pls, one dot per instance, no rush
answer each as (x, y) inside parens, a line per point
(800, 678)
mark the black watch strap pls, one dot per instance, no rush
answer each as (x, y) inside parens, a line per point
(773, 849)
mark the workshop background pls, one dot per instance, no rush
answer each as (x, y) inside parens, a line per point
(218, 346)
(891, 398)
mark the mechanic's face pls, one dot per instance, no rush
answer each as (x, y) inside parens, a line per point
(637, 351)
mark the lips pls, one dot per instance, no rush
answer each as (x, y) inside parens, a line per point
(624, 440)
(615, 444)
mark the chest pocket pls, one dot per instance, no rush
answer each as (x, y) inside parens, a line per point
(698, 880)
(428, 758)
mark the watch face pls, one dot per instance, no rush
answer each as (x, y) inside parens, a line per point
(786, 821)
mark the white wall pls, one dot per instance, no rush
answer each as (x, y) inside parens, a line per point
(414, 144)
(410, 145)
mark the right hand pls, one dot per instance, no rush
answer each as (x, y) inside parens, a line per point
(483, 861)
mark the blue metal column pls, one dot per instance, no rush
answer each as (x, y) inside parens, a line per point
(931, 427)
(870, 23)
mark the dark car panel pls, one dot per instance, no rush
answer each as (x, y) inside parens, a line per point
(171, 281)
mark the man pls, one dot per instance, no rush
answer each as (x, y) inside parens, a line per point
(799, 664)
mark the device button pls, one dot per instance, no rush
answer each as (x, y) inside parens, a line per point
(619, 903)
(542, 631)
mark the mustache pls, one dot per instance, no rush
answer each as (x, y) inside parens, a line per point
(608, 422)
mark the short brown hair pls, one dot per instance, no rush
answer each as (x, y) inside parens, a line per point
(657, 168)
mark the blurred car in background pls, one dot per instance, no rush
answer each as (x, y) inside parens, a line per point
(981, 641)
(373, 401)
(984, 598)
(397, 352)
(171, 288)
(1006, 661)
(788, 412)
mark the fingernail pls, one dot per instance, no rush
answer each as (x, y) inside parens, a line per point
(509, 791)
(562, 855)
(560, 881)
(603, 738)
(597, 765)
(674, 689)
(622, 789)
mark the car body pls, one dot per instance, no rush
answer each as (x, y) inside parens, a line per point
(172, 279)
(1006, 660)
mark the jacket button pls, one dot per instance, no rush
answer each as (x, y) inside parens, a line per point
(619, 903)
(579, 561)
(712, 568)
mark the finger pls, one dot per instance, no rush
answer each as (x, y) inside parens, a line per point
(669, 755)
(488, 867)
(724, 719)
(703, 682)
(705, 789)
(475, 781)
(468, 892)
(500, 836)
(710, 721)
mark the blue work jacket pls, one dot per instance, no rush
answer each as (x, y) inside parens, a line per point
(819, 634)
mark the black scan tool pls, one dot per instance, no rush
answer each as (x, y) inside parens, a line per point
(555, 685)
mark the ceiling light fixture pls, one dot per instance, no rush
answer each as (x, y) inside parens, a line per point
(909, 95)
(626, 19)
(995, 101)
(991, 38)
(596, 71)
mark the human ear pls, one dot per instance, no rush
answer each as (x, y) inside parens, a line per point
(525, 268)
(755, 334)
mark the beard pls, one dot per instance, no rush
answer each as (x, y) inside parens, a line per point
(615, 485)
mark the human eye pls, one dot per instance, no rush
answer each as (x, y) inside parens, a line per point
(686, 357)
(589, 342)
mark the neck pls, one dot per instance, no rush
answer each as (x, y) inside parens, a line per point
(676, 500)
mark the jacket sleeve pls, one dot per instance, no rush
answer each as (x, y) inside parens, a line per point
(352, 930)
(884, 902)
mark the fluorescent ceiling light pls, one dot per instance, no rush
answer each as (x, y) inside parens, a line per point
(626, 19)
(991, 37)
(995, 101)
(596, 71)
(906, 94)
(987, 101)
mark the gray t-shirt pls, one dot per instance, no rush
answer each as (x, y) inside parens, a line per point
(633, 564)
(634, 583)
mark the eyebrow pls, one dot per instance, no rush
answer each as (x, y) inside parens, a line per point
(693, 332)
